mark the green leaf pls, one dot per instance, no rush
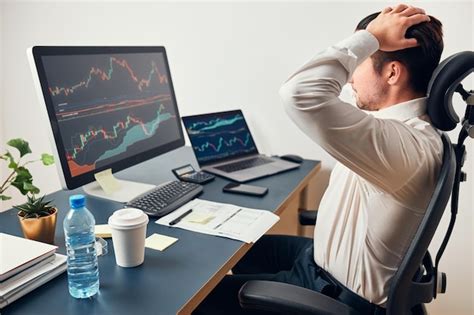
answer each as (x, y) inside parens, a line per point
(31, 188)
(35, 207)
(21, 145)
(13, 165)
(23, 176)
(47, 159)
(3, 197)
(19, 186)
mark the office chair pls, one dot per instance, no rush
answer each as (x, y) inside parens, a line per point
(417, 281)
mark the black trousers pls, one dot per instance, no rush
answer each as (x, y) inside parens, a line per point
(278, 258)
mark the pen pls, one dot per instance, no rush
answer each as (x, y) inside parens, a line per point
(178, 219)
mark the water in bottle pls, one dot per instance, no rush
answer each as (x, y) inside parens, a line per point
(82, 267)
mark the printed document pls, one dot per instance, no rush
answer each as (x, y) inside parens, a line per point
(222, 219)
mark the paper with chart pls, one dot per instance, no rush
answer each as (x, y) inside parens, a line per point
(223, 219)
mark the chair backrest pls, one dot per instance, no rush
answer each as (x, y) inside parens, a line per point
(408, 289)
(405, 291)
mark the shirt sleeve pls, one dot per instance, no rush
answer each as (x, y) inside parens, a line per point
(382, 151)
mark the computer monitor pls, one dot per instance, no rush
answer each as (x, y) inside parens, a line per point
(109, 108)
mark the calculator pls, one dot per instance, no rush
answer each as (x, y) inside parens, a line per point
(187, 173)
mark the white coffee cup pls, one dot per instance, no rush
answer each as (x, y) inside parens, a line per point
(128, 228)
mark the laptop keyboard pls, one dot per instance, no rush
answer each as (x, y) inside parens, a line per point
(241, 165)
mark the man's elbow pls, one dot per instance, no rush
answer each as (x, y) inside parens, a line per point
(296, 94)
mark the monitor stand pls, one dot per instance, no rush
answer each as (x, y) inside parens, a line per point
(127, 191)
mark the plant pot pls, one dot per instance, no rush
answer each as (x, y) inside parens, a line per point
(40, 229)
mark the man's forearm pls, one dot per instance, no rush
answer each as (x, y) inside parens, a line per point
(321, 79)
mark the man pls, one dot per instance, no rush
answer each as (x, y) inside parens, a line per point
(388, 164)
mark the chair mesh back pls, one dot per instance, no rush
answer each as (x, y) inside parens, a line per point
(404, 292)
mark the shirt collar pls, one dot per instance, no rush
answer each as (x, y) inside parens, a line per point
(403, 111)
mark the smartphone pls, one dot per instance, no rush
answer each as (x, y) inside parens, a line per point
(245, 189)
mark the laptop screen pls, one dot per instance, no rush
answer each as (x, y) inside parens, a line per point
(219, 136)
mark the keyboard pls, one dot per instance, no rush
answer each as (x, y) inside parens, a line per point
(165, 198)
(241, 165)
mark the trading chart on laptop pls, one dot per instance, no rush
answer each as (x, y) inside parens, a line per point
(219, 136)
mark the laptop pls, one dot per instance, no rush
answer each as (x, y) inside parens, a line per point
(224, 146)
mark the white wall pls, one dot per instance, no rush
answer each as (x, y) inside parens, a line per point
(2, 167)
(222, 56)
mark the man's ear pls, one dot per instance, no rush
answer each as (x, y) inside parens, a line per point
(395, 73)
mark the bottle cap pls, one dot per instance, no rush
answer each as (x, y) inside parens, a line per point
(77, 201)
(128, 218)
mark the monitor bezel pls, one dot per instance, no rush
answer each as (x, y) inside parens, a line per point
(222, 160)
(68, 181)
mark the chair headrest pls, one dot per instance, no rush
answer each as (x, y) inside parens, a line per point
(443, 83)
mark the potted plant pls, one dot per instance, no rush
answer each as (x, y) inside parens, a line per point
(37, 217)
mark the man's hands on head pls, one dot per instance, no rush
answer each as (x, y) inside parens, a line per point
(390, 26)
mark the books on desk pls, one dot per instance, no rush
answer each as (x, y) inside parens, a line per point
(25, 265)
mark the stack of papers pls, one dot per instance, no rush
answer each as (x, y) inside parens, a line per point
(222, 219)
(25, 265)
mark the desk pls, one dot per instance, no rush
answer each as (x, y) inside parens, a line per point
(169, 282)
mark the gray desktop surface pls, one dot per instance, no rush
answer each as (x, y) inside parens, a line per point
(166, 280)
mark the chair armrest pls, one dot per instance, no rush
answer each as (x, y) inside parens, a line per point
(289, 299)
(307, 217)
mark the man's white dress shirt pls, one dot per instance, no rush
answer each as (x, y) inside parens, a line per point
(388, 163)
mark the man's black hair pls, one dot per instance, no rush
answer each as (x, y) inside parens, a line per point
(421, 60)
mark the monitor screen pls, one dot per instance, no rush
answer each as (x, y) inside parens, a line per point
(109, 107)
(219, 136)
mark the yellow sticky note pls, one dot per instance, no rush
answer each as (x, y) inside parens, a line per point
(200, 218)
(107, 181)
(159, 242)
(103, 230)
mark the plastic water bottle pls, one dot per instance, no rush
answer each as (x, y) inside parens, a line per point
(82, 267)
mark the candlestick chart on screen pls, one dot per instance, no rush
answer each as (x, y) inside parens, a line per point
(110, 107)
(220, 138)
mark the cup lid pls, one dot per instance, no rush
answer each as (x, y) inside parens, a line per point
(128, 218)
